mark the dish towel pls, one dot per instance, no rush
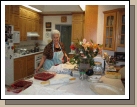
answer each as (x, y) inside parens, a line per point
(62, 69)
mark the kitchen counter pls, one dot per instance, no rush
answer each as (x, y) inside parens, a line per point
(78, 87)
(19, 55)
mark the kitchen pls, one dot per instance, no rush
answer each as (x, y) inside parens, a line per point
(33, 30)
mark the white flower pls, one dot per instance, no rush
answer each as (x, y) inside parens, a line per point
(94, 50)
(80, 43)
(81, 52)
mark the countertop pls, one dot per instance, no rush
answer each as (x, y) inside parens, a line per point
(79, 87)
(16, 55)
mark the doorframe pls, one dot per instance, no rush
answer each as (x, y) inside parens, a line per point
(65, 25)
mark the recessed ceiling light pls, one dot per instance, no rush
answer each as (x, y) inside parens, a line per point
(82, 7)
(32, 8)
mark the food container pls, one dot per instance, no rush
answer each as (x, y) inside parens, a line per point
(19, 85)
(44, 75)
(98, 69)
(94, 78)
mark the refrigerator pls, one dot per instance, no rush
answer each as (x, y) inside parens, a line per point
(11, 37)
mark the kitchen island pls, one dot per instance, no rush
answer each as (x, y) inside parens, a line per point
(78, 87)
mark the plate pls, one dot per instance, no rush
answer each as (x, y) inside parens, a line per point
(106, 89)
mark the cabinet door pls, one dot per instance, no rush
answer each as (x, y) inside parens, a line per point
(23, 30)
(17, 69)
(30, 15)
(29, 25)
(109, 31)
(15, 22)
(40, 32)
(14, 9)
(23, 12)
(77, 30)
(7, 14)
(23, 67)
(30, 65)
(121, 26)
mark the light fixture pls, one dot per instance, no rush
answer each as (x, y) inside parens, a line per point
(82, 7)
(32, 8)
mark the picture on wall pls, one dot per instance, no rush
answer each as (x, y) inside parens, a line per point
(48, 34)
(48, 24)
(48, 29)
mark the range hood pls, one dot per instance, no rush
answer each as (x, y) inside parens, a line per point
(32, 34)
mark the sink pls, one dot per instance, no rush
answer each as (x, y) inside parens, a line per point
(106, 89)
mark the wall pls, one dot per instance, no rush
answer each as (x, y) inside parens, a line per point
(54, 20)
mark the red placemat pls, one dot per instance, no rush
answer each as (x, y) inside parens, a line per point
(44, 76)
(19, 86)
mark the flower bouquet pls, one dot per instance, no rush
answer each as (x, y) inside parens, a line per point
(85, 52)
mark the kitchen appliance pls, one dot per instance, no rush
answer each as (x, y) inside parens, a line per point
(120, 58)
(32, 34)
(38, 58)
(9, 52)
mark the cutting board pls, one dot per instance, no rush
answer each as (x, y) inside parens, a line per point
(113, 75)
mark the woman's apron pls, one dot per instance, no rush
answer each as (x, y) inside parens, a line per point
(57, 59)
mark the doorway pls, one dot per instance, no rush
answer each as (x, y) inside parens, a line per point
(65, 35)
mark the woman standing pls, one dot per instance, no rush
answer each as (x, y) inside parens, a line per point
(54, 52)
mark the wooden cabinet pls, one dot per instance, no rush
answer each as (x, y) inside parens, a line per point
(20, 68)
(114, 29)
(121, 29)
(77, 27)
(109, 31)
(23, 30)
(30, 65)
(24, 20)
(15, 22)
(23, 67)
(29, 25)
(7, 14)
(23, 12)
(15, 9)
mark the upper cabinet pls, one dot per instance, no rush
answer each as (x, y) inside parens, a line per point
(7, 14)
(121, 33)
(77, 26)
(24, 20)
(114, 29)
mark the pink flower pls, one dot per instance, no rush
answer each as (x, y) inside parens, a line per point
(84, 41)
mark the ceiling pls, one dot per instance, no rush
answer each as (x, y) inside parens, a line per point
(58, 9)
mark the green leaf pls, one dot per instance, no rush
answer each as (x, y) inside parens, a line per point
(91, 40)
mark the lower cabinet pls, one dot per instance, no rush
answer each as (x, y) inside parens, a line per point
(30, 65)
(23, 67)
(20, 68)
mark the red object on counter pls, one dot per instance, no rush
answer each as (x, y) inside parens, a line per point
(12, 47)
(44, 76)
(20, 85)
